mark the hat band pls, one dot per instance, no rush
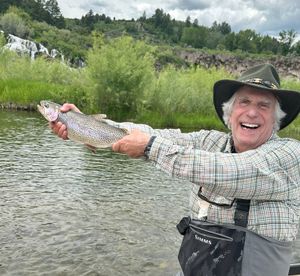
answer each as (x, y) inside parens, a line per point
(265, 83)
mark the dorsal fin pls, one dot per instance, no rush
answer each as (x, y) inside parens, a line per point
(98, 117)
(101, 118)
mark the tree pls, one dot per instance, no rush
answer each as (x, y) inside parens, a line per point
(296, 47)
(5, 4)
(224, 28)
(88, 19)
(195, 22)
(287, 38)
(143, 17)
(188, 22)
(231, 42)
(215, 40)
(195, 36)
(162, 22)
(246, 41)
(52, 7)
(13, 24)
(42, 10)
(269, 45)
(158, 17)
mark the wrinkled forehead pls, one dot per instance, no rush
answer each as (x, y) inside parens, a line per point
(251, 93)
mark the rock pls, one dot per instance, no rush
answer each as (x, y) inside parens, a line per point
(286, 66)
(27, 47)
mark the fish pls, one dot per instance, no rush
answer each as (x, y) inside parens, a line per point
(92, 130)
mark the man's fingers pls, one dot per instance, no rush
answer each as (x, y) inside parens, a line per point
(116, 147)
(120, 146)
(60, 130)
(133, 144)
(68, 106)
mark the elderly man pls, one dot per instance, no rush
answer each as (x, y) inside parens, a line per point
(248, 178)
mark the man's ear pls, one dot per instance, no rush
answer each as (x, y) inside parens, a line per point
(229, 122)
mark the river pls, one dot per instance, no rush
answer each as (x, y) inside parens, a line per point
(65, 210)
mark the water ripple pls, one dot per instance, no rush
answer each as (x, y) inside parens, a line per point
(67, 211)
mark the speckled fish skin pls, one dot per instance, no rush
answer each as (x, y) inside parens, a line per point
(82, 128)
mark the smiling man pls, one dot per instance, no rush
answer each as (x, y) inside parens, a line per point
(246, 183)
(252, 118)
(247, 178)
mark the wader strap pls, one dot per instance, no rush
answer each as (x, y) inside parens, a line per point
(241, 212)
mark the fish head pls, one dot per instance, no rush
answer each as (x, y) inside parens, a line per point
(49, 110)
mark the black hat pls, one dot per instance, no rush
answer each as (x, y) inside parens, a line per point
(264, 77)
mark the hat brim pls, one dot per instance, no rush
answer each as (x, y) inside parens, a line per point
(289, 100)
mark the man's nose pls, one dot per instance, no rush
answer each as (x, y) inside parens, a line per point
(252, 111)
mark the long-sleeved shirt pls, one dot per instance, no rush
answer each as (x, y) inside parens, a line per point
(269, 176)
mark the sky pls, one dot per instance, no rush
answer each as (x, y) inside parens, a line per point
(263, 16)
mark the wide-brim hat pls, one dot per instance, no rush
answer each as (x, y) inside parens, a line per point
(266, 78)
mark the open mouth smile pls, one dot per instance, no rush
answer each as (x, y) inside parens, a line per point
(249, 126)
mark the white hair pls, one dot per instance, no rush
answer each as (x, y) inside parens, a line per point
(227, 107)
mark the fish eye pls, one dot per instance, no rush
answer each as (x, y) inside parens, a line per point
(46, 105)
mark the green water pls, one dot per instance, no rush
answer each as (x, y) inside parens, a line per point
(67, 211)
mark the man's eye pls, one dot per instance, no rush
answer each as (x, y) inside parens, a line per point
(244, 102)
(264, 105)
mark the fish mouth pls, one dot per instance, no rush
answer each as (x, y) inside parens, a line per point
(40, 108)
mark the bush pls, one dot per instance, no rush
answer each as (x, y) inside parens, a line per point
(11, 23)
(122, 70)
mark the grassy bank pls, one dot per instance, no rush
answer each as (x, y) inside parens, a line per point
(120, 80)
(24, 82)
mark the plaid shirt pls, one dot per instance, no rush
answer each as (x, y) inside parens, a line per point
(269, 176)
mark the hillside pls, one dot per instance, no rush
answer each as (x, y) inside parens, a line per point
(42, 22)
(234, 64)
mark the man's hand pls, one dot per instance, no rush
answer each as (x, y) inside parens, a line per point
(133, 144)
(60, 129)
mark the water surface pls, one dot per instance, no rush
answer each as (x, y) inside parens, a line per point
(67, 211)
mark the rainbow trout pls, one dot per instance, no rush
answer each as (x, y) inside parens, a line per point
(87, 129)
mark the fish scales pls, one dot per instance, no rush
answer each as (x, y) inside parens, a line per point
(83, 128)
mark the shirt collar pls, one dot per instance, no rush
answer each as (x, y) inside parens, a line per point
(229, 146)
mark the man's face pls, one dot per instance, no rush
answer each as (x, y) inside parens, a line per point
(252, 118)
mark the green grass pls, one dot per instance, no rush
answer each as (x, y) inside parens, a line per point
(30, 92)
(292, 130)
(186, 122)
(26, 82)
(171, 98)
(20, 91)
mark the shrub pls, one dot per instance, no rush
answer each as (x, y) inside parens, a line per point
(122, 71)
(11, 23)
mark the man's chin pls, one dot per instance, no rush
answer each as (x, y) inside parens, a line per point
(245, 142)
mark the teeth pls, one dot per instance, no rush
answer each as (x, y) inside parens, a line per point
(250, 125)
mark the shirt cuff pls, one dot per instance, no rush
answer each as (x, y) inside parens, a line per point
(148, 146)
(161, 148)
